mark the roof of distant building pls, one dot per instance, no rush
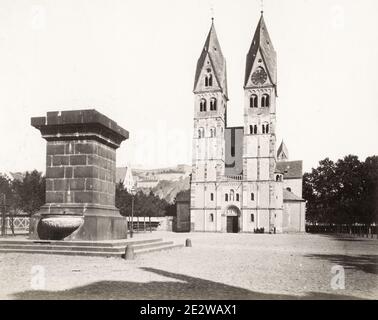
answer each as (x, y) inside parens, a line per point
(290, 169)
(289, 196)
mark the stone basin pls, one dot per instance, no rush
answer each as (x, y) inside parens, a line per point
(58, 227)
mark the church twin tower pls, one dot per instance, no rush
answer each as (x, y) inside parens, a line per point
(236, 186)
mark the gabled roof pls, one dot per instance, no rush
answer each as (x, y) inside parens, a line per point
(289, 196)
(261, 42)
(213, 50)
(282, 152)
(290, 169)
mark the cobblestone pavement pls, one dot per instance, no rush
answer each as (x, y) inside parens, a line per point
(217, 266)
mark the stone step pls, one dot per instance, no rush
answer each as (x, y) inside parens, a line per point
(140, 247)
(108, 244)
(151, 245)
(160, 248)
(61, 248)
(138, 244)
(64, 252)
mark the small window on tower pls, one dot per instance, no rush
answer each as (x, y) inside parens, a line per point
(211, 196)
(211, 217)
(265, 101)
(210, 80)
(237, 197)
(213, 104)
(253, 101)
(203, 105)
(252, 217)
(226, 197)
(252, 196)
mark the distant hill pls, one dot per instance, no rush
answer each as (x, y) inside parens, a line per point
(168, 189)
(164, 182)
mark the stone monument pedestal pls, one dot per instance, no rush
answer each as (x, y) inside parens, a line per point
(80, 177)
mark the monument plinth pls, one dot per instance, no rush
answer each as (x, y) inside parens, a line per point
(80, 177)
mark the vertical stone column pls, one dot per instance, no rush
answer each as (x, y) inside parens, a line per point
(80, 177)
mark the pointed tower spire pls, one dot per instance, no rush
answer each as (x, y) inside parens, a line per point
(282, 152)
(212, 56)
(262, 45)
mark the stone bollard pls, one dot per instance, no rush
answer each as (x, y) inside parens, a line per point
(129, 252)
(188, 243)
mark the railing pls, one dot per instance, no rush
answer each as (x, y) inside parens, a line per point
(15, 224)
(232, 178)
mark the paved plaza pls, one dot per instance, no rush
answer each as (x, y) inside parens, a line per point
(217, 266)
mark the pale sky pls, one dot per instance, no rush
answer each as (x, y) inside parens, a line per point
(134, 61)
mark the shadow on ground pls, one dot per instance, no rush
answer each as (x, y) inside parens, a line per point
(365, 263)
(186, 288)
(347, 237)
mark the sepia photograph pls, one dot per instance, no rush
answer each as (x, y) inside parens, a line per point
(200, 151)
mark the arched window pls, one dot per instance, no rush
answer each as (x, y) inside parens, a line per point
(201, 133)
(232, 194)
(237, 197)
(203, 105)
(278, 178)
(253, 101)
(252, 217)
(212, 132)
(210, 80)
(213, 104)
(206, 81)
(265, 128)
(211, 196)
(211, 217)
(288, 189)
(252, 196)
(225, 197)
(265, 101)
(253, 129)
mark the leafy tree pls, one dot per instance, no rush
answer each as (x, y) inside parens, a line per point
(370, 189)
(5, 188)
(342, 192)
(144, 204)
(30, 192)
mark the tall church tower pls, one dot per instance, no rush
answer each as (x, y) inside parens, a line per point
(210, 101)
(259, 143)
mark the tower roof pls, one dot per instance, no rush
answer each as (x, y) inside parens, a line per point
(212, 49)
(282, 152)
(261, 42)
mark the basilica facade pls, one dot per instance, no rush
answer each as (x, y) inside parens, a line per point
(240, 181)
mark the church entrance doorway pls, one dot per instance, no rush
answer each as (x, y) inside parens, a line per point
(233, 219)
(232, 224)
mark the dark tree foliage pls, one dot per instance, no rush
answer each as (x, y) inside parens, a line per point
(29, 194)
(6, 190)
(342, 192)
(144, 205)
